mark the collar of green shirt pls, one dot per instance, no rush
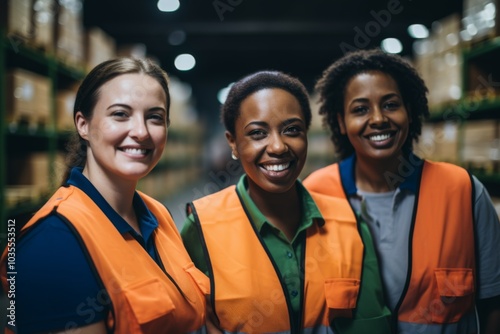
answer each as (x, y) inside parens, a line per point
(310, 213)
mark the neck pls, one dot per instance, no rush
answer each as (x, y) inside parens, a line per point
(283, 210)
(118, 193)
(378, 175)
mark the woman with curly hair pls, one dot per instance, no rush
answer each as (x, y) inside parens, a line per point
(280, 260)
(433, 224)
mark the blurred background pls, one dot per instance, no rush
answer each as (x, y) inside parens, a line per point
(47, 47)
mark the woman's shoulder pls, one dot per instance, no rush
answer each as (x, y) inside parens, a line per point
(52, 265)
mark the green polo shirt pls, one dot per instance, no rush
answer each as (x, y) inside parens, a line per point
(287, 255)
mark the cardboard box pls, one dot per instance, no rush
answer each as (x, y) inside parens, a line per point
(30, 170)
(439, 62)
(20, 95)
(65, 102)
(446, 141)
(28, 97)
(438, 142)
(16, 17)
(447, 33)
(42, 100)
(482, 18)
(479, 137)
(70, 33)
(44, 13)
(100, 47)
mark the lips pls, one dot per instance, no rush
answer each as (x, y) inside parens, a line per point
(276, 167)
(380, 137)
(135, 151)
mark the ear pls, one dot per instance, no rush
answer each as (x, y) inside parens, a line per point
(232, 143)
(82, 125)
(340, 120)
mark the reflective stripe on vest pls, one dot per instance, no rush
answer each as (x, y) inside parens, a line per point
(144, 299)
(441, 267)
(247, 292)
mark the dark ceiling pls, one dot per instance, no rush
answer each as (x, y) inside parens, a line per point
(232, 38)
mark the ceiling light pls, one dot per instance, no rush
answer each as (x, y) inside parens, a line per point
(418, 31)
(391, 45)
(184, 62)
(168, 5)
(222, 94)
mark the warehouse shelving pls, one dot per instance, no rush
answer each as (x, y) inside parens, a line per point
(480, 102)
(180, 165)
(18, 137)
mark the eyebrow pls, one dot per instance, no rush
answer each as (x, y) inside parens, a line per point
(285, 122)
(126, 106)
(292, 120)
(385, 97)
(119, 105)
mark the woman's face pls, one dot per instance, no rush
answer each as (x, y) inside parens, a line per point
(270, 139)
(375, 118)
(127, 132)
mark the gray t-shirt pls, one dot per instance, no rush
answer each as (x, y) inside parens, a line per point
(390, 230)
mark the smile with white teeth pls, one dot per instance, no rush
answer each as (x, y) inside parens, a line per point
(277, 168)
(380, 137)
(135, 151)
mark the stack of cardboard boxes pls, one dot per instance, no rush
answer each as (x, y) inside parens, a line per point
(461, 81)
(439, 62)
(52, 33)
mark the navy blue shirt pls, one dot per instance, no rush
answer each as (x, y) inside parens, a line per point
(56, 287)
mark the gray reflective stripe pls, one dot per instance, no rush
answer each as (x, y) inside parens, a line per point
(202, 330)
(466, 325)
(320, 329)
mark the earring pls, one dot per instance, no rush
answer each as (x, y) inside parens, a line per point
(234, 156)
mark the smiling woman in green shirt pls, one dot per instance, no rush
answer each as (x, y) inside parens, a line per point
(281, 260)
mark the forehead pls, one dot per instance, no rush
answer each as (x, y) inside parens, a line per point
(131, 82)
(372, 81)
(270, 102)
(131, 88)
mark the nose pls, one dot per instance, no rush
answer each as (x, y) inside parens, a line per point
(377, 117)
(139, 129)
(276, 145)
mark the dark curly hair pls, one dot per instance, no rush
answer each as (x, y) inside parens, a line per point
(252, 83)
(332, 84)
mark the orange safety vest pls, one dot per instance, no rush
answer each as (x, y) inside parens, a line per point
(144, 298)
(441, 272)
(246, 290)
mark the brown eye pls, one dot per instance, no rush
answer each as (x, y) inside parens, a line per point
(119, 114)
(360, 110)
(257, 134)
(392, 105)
(293, 130)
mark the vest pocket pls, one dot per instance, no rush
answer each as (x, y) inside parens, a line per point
(148, 300)
(455, 294)
(341, 296)
(199, 278)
